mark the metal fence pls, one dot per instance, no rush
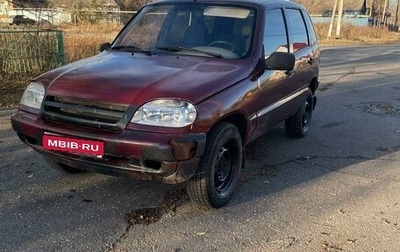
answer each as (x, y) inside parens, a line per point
(30, 51)
(27, 53)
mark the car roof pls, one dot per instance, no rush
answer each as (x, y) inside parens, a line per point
(254, 3)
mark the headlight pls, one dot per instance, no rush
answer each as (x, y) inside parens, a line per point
(33, 95)
(166, 113)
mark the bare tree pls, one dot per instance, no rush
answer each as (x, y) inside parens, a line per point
(317, 6)
(313, 6)
(132, 5)
(29, 3)
(379, 7)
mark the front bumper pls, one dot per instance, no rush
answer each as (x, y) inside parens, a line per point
(171, 158)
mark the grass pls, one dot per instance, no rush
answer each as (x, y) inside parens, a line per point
(353, 35)
(84, 41)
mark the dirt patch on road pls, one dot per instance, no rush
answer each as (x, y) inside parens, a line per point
(379, 108)
(149, 215)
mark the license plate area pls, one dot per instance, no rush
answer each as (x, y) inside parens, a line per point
(73, 145)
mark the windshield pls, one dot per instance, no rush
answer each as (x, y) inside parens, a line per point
(191, 28)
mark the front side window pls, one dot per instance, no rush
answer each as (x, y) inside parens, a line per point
(275, 36)
(199, 29)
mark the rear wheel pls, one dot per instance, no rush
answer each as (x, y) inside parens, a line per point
(218, 172)
(61, 167)
(297, 125)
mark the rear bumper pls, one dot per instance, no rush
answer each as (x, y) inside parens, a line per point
(171, 158)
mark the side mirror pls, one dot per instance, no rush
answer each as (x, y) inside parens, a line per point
(280, 61)
(105, 46)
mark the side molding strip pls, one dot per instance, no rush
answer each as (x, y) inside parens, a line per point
(281, 102)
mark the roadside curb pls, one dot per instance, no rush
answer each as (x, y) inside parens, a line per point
(8, 111)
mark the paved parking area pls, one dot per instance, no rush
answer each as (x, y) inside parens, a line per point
(335, 190)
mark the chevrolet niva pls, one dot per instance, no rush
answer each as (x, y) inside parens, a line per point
(183, 87)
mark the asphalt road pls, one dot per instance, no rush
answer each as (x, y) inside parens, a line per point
(335, 190)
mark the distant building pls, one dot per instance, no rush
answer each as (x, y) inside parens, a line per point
(47, 11)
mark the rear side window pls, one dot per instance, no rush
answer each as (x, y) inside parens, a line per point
(275, 36)
(297, 28)
(311, 33)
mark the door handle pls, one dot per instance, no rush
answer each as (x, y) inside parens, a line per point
(289, 72)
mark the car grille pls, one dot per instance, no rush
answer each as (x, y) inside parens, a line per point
(86, 113)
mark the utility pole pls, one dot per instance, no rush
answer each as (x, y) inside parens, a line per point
(384, 12)
(332, 18)
(339, 22)
(379, 18)
(396, 22)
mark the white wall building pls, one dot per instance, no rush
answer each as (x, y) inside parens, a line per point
(109, 12)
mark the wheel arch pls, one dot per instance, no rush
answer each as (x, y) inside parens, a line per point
(314, 85)
(237, 119)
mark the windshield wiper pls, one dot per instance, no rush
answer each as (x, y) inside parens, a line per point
(133, 49)
(171, 48)
(181, 48)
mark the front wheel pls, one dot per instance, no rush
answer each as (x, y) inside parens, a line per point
(218, 172)
(297, 125)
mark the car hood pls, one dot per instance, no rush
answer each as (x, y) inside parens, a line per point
(123, 78)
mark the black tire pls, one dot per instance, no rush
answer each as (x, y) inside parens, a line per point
(297, 125)
(61, 167)
(218, 172)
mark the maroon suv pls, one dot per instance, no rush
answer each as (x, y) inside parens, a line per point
(178, 93)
